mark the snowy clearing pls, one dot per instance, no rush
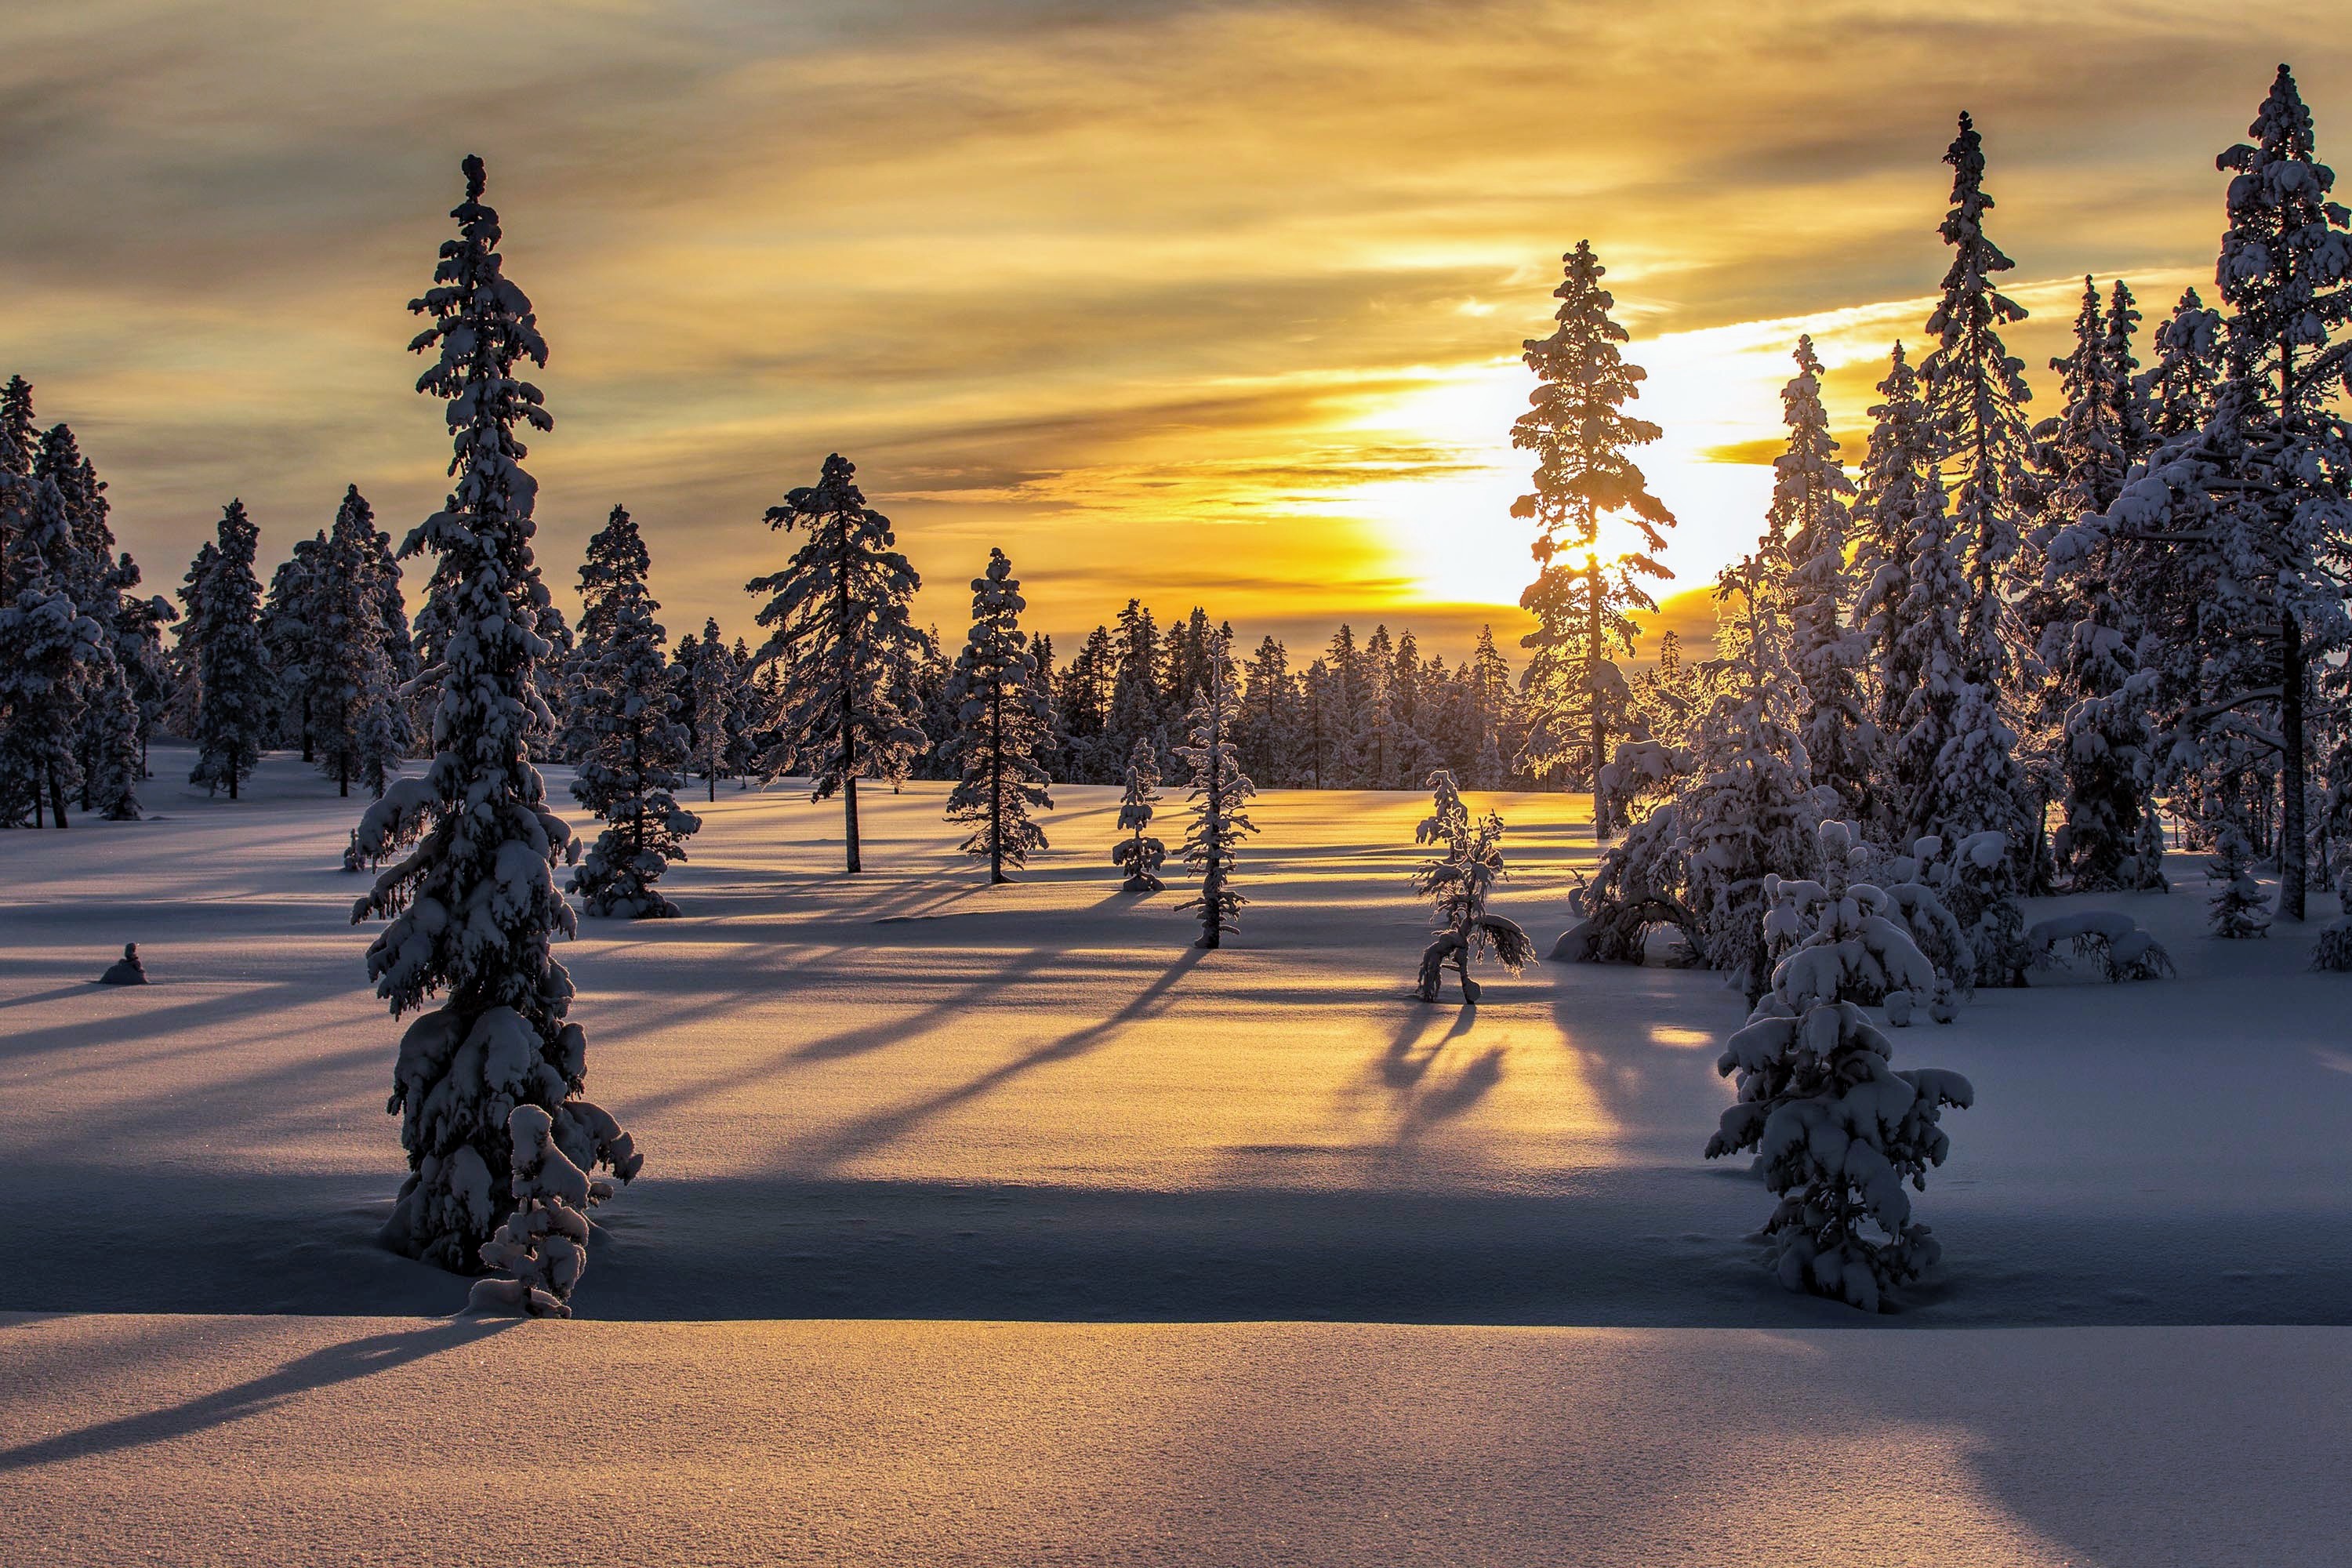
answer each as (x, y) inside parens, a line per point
(910, 1095)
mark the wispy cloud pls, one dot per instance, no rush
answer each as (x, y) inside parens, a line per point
(1218, 300)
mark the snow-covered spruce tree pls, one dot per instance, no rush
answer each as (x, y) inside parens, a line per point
(233, 710)
(1220, 797)
(345, 675)
(1837, 1129)
(1752, 811)
(2285, 274)
(1002, 728)
(1809, 514)
(2236, 905)
(624, 735)
(1976, 399)
(1138, 854)
(472, 904)
(1457, 881)
(714, 691)
(290, 614)
(106, 749)
(2088, 648)
(44, 643)
(1578, 428)
(1900, 496)
(837, 622)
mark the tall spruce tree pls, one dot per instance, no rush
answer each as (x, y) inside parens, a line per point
(713, 695)
(46, 643)
(1004, 729)
(1900, 498)
(1976, 398)
(1809, 511)
(1577, 427)
(1220, 797)
(837, 620)
(488, 1084)
(233, 704)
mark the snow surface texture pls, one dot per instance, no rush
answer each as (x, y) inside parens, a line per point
(912, 1095)
(289, 1442)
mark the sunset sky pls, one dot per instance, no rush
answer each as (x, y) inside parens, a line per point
(1214, 304)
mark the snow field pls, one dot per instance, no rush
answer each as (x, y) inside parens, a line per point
(910, 1095)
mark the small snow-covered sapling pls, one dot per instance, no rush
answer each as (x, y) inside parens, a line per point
(2236, 908)
(1457, 881)
(1138, 854)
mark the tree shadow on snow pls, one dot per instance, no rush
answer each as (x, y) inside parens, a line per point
(321, 1368)
(869, 1133)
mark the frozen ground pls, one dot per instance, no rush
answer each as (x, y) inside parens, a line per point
(302, 1441)
(909, 1094)
(906, 1096)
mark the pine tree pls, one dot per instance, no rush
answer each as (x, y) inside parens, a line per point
(233, 715)
(473, 906)
(2286, 273)
(1899, 491)
(1138, 854)
(347, 695)
(2088, 647)
(1266, 737)
(622, 732)
(1751, 812)
(291, 642)
(838, 623)
(1002, 727)
(1809, 512)
(2178, 389)
(1220, 795)
(717, 682)
(1835, 1128)
(1457, 881)
(1976, 397)
(45, 644)
(1577, 427)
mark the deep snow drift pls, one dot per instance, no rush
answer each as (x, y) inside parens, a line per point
(907, 1094)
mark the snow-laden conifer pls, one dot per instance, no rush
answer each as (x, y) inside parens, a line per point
(1457, 881)
(2236, 906)
(1578, 428)
(472, 904)
(354, 711)
(1976, 399)
(624, 735)
(1220, 799)
(1809, 515)
(1002, 728)
(44, 641)
(1138, 854)
(1900, 497)
(233, 710)
(713, 695)
(1837, 1131)
(837, 620)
